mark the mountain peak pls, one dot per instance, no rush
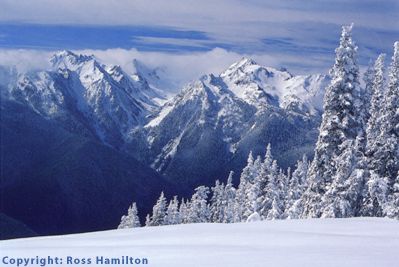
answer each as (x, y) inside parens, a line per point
(246, 61)
(68, 59)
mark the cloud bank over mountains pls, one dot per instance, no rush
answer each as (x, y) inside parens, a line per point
(187, 36)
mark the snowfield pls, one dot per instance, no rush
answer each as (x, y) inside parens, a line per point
(313, 242)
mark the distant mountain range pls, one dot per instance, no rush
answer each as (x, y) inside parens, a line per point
(85, 137)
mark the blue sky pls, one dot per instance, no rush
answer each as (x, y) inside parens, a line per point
(299, 35)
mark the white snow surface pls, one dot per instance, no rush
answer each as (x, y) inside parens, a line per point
(286, 243)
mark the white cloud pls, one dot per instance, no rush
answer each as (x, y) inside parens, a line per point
(180, 68)
(24, 59)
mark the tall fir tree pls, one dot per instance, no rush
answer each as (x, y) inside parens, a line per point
(340, 123)
(389, 138)
(375, 190)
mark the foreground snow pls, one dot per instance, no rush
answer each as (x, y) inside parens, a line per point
(317, 242)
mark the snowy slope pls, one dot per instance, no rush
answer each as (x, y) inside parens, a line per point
(351, 242)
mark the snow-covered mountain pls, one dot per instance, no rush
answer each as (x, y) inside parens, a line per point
(197, 136)
(104, 99)
(215, 121)
(263, 86)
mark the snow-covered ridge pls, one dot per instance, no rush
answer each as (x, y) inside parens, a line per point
(259, 85)
(354, 242)
(113, 102)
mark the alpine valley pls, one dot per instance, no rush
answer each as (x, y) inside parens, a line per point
(83, 138)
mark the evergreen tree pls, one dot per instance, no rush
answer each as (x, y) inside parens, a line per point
(372, 199)
(340, 123)
(159, 211)
(172, 212)
(275, 212)
(229, 200)
(282, 184)
(261, 182)
(147, 220)
(296, 187)
(217, 207)
(131, 220)
(183, 211)
(198, 210)
(388, 140)
(271, 192)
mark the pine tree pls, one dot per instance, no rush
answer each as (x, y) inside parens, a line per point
(131, 220)
(261, 182)
(229, 200)
(340, 123)
(383, 146)
(172, 212)
(148, 220)
(183, 211)
(217, 207)
(389, 138)
(271, 192)
(335, 202)
(198, 210)
(282, 185)
(159, 211)
(372, 199)
(296, 187)
(275, 212)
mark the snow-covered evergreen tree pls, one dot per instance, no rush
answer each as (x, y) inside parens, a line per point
(217, 205)
(375, 190)
(198, 210)
(340, 124)
(261, 182)
(147, 220)
(270, 192)
(282, 184)
(131, 220)
(275, 212)
(183, 211)
(158, 212)
(383, 146)
(172, 212)
(296, 187)
(229, 200)
(388, 140)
